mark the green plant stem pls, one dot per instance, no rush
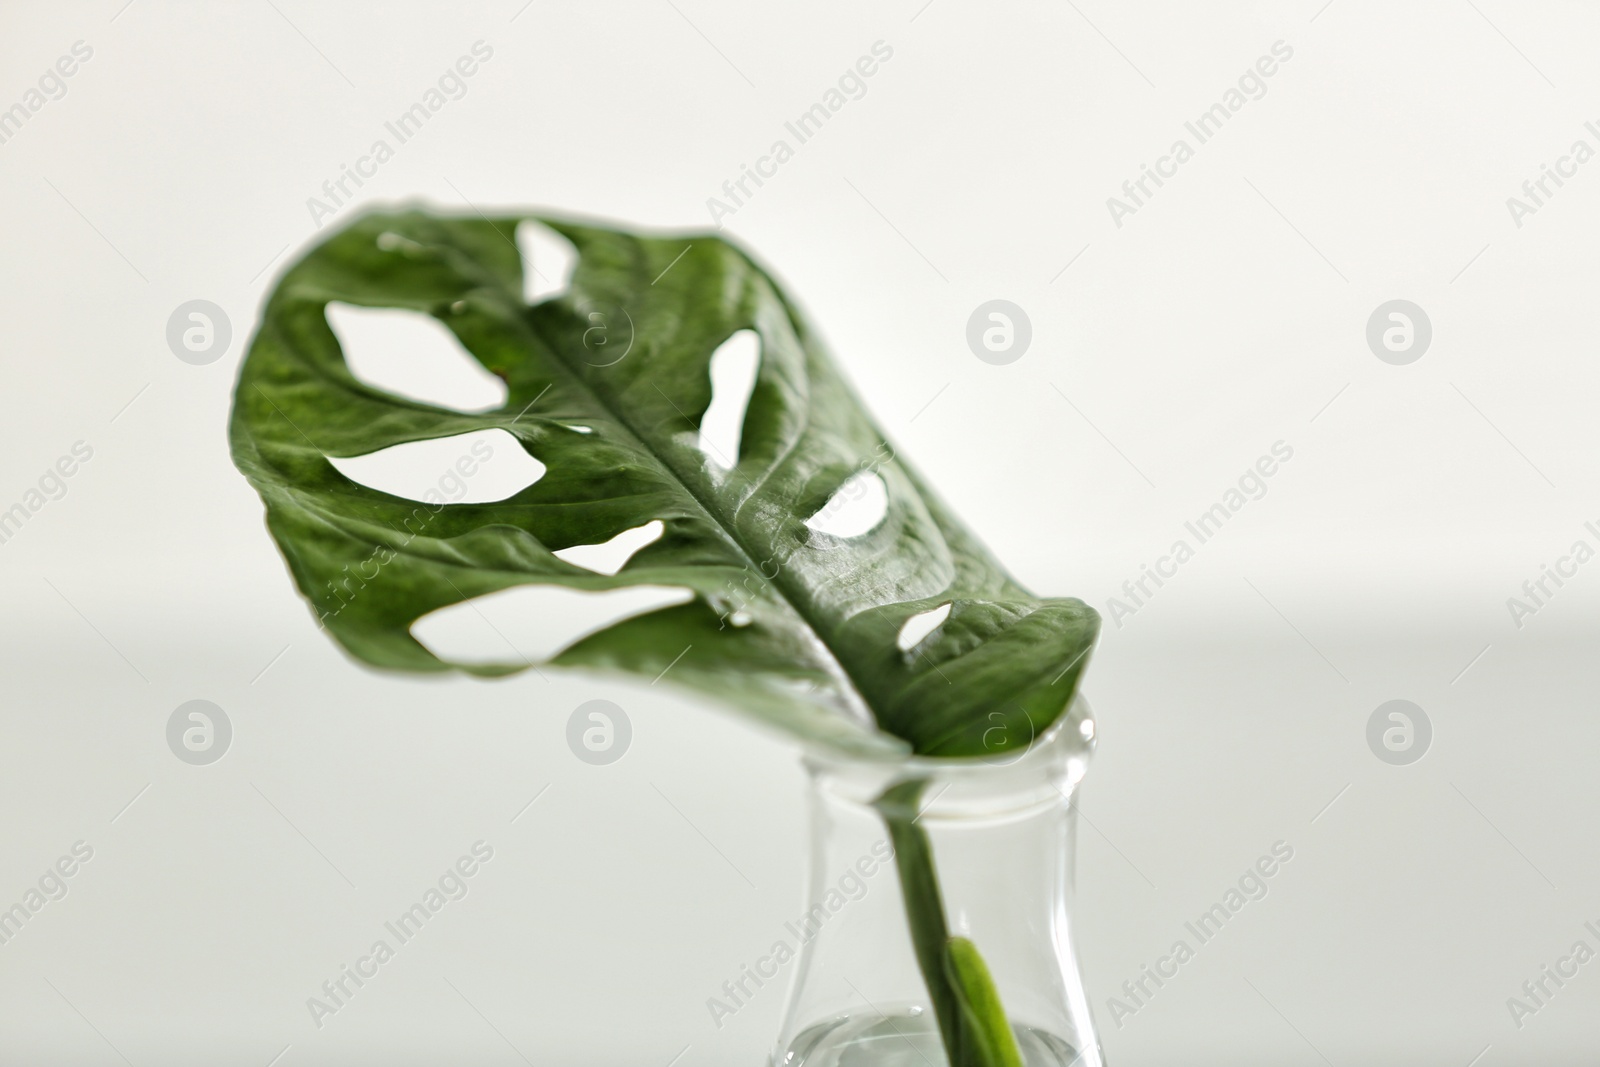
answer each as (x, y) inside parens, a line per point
(919, 886)
(966, 1005)
(988, 1032)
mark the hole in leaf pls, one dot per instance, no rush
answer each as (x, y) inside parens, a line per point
(547, 261)
(415, 356)
(471, 468)
(733, 378)
(609, 557)
(921, 625)
(533, 622)
(581, 429)
(856, 507)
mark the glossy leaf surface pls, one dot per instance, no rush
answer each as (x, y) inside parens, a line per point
(607, 385)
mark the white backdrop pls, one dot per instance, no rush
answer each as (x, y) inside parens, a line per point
(1171, 347)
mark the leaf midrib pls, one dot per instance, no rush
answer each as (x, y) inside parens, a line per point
(723, 524)
(468, 267)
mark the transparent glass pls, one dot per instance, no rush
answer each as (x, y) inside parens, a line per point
(997, 837)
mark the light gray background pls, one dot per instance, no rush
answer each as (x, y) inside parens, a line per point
(1227, 314)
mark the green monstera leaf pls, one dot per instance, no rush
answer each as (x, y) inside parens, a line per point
(788, 623)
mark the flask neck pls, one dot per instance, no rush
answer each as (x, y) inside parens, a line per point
(933, 885)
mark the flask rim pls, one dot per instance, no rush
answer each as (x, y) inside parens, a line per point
(1046, 771)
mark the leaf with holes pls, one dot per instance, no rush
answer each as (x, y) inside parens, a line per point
(814, 581)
